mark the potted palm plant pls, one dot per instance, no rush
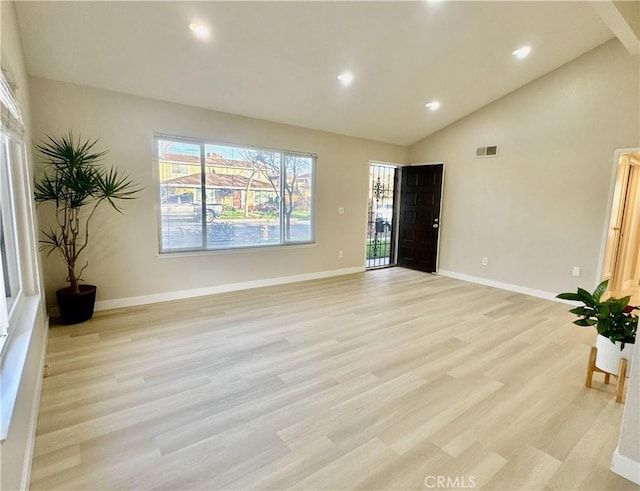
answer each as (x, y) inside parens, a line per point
(613, 318)
(75, 183)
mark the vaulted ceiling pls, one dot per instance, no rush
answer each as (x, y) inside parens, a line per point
(279, 61)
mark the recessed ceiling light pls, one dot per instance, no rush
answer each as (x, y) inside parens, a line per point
(200, 30)
(434, 105)
(346, 78)
(521, 52)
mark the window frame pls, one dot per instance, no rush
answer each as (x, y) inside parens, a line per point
(27, 318)
(10, 233)
(283, 242)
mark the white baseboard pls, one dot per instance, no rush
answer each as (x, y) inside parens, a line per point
(625, 467)
(499, 284)
(212, 290)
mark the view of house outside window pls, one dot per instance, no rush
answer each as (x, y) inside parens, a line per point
(221, 197)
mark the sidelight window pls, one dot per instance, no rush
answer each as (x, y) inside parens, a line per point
(380, 217)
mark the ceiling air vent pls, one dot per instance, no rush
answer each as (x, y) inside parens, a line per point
(491, 151)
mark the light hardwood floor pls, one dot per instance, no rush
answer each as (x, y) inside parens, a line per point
(378, 381)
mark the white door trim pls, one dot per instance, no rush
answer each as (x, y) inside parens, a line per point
(607, 216)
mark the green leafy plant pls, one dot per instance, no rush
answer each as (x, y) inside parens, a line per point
(613, 318)
(77, 184)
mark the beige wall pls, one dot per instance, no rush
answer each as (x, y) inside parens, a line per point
(123, 257)
(539, 208)
(15, 451)
(535, 211)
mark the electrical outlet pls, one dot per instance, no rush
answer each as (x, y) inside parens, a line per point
(340, 254)
(341, 210)
(575, 271)
(485, 261)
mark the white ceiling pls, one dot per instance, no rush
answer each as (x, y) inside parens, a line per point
(279, 60)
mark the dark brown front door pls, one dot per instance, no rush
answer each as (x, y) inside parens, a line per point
(419, 220)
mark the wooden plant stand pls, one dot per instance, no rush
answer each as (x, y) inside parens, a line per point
(620, 376)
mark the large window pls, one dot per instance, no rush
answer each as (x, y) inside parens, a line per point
(220, 197)
(11, 285)
(11, 162)
(20, 303)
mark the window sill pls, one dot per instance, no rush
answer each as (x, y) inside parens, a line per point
(14, 357)
(236, 250)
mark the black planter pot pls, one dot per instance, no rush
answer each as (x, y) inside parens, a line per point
(76, 307)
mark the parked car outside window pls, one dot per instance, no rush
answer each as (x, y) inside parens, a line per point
(182, 206)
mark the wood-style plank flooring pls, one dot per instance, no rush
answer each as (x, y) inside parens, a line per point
(390, 379)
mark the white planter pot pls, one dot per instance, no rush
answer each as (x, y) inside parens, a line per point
(609, 355)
